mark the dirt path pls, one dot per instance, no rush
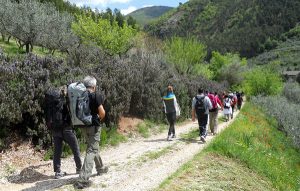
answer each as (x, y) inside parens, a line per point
(136, 165)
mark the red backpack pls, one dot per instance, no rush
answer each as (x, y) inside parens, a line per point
(213, 101)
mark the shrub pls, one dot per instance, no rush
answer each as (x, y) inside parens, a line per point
(22, 87)
(292, 92)
(287, 114)
(132, 84)
(262, 81)
(187, 56)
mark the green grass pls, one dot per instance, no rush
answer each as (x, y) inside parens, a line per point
(112, 137)
(251, 154)
(147, 128)
(12, 49)
(152, 155)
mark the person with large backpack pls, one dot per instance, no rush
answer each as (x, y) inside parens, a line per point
(58, 121)
(90, 110)
(172, 110)
(201, 105)
(213, 113)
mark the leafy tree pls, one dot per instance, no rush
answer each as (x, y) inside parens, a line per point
(187, 56)
(119, 17)
(228, 67)
(35, 23)
(112, 38)
(262, 81)
(131, 22)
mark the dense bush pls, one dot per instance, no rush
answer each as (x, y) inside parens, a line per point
(23, 83)
(292, 92)
(262, 81)
(187, 56)
(228, 67)
(133, 85)
(286, 113)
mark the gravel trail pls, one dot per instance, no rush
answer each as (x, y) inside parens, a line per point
(137, 165)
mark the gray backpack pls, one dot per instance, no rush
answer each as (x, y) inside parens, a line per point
(75, 91)
(83, 111)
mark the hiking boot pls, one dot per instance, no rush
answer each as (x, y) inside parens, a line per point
(102, 170)
(173, 136)
(169, 138)
(59, 175)
(202, 139)
(82, 185)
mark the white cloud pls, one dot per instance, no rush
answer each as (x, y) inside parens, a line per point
(97, 2)
(128, 10)
(147, 6)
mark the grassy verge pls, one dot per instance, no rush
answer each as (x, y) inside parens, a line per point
(147, 128)
(12, 49)
(251, 154)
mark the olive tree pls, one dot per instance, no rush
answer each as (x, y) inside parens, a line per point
(35, 23)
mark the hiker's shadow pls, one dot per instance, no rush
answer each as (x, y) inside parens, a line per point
(190, 140)
(156, 140)
(51, 184)
(29, 175)
(54, 183)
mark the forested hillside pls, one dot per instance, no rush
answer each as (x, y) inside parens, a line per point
(241, 26)
(145, 15)
(283, 52)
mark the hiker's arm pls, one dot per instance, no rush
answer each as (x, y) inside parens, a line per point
(101, 112)
(193, 114)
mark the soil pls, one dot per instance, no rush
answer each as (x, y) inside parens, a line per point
(128, 124)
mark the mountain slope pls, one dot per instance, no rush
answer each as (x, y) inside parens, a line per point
(230, 26)
(145, 15)
(284, 52)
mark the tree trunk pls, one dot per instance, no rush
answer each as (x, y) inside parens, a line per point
(27, 48)
(8, 39)
(31, 47)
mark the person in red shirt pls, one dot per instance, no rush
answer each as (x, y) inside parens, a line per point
(213, 113)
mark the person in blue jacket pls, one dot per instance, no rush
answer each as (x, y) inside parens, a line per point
(171, 109)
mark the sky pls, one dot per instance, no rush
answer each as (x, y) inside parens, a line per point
(126, 6)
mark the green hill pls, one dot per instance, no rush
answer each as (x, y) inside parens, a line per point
(285, 52)
(230, 26)
(145, 15)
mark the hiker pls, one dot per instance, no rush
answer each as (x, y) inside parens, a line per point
(239, 100)
(227, 107)
(92, 135)
(213, 113)
(172, 110)
(233, 103)
(63, 132)
(201, 105)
